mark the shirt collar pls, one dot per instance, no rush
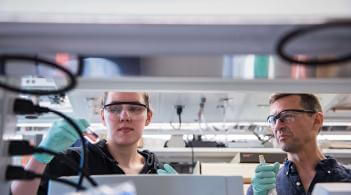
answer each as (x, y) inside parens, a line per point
(103, 146)
(148, 156)
(326, 165)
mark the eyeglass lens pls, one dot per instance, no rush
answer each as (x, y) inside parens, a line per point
(130, 109)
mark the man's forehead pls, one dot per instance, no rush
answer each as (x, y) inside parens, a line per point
(289, 102)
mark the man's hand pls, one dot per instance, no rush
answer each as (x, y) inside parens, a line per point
(167, 170)
(264, 179)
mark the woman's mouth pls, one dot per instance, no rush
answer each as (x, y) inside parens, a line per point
(124, 129)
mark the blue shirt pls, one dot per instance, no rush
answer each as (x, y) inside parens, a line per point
(289, 182)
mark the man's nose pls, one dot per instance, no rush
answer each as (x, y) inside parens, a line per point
(278, 125)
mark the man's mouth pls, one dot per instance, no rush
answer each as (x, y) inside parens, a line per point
(283, 137)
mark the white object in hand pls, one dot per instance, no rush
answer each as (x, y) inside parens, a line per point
(263, 161)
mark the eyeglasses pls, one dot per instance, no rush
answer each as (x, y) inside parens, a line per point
(286, 116)
(133, 109)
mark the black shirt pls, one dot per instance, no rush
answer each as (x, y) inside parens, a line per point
(327, 170)
(99, 161)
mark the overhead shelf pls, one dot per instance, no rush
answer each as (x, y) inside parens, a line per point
(155, 39)
(226, 154)
(214, 85)
(162, 27)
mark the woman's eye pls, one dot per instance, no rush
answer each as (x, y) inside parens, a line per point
(115, 110)
(134, 109)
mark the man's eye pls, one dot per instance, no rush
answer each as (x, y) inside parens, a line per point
(287, 117)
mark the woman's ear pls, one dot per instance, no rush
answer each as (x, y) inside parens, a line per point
(148, 118)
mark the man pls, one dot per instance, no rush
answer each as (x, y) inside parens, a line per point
(296, 120)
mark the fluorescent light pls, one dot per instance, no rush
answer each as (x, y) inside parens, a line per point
(33, 124)
(164, 137)
(335, 137)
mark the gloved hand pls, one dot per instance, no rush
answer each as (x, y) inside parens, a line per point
(59, 137)
(264, 179)
(167, 170)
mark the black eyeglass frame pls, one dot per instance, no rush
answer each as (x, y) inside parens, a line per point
(129, 103)
(277, 116)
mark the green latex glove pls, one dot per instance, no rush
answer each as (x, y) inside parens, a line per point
(167, 170)
(60, 137)
(264, 179)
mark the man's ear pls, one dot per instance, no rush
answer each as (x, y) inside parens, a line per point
(148, 118)
(318, 122)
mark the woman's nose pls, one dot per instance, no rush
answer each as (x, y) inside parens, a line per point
(124, 116)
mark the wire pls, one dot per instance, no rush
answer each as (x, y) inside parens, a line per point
(71, 84)
(224, 108)
(180, 121)
(70, 163)
(201, 115)
(83, 148)
(25, 106)
(192, 156)
(294, 34)
(23, 147)
(179, 111)
(67, 182)
(263, 141)
(16, 173)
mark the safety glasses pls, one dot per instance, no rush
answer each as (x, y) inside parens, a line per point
(286, 116)
(132, 109)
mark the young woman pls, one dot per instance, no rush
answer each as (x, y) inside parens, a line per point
(125, 114)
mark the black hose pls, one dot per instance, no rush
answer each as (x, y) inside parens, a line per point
(75, 126)
(70, 163)
(294, 34)
(64, 181)
(71, 84)
(19, 173)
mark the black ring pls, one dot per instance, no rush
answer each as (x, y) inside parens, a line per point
(70, 85)
(283, 41)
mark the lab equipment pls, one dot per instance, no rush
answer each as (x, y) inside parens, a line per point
(126, 188)
(164, 184)
(332, 189)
